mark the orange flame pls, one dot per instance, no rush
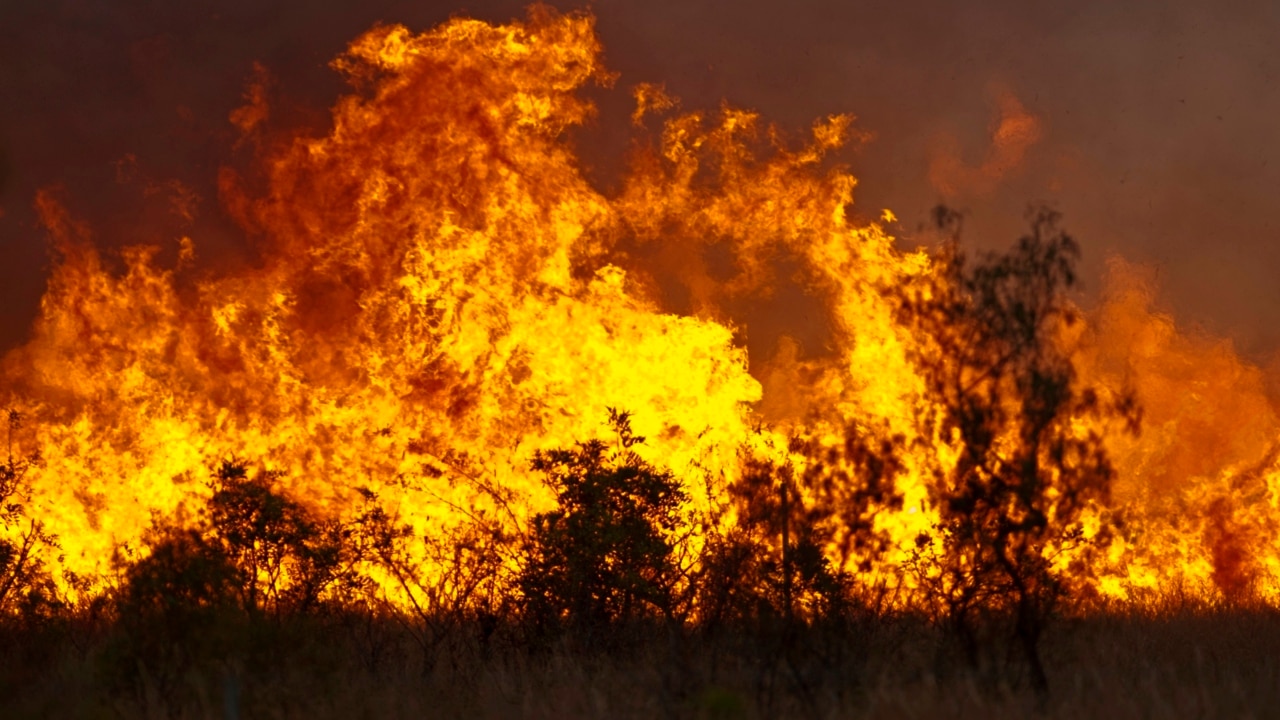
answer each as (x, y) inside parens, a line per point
(442, 294)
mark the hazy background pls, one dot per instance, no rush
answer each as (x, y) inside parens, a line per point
(1154, 127)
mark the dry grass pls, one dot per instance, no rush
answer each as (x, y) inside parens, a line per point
(1175, 663)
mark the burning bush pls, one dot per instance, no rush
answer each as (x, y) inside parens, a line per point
(1025, 475)
(26, 586)
(605, 555)
(256, 548)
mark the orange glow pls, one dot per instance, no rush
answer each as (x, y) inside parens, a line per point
(1013, 134)
(442, 294)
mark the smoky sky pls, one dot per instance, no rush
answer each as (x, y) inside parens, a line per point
(1156, 132)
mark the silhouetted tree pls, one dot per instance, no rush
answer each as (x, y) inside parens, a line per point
(443, 579)
(182, 577)
(285, 558)
(25, 584)
(255, 545)
(605, 554)
(770, 562)
(172, 605)
(795, 536)
(849, 484)
(1004, 392)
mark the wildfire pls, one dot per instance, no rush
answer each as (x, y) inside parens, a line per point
(442, 294)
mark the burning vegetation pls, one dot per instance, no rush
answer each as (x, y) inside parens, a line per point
(462, 387)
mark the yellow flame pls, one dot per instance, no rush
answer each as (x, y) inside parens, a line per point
(443, 294)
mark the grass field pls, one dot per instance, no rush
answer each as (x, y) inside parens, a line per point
(1170, 660)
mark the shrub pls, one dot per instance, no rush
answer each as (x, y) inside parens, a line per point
(604, 555)
(1005, 391)
(26, 588)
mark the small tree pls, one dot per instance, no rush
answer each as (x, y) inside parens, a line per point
(25, 584)
(443, 579)
(769, 562)
(183, 582)
(605, 554)
(284, 557)
(255, 553)
(1004, 390)
(256, 547)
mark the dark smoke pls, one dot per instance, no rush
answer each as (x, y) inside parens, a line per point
(1157, 132)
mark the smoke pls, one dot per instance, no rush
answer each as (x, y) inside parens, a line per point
(1151, 127)
(1013, 134)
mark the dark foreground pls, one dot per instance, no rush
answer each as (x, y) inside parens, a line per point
(1168, 662)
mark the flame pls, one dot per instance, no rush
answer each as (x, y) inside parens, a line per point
(442, 294)
(1199, 485)
(426, 317)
